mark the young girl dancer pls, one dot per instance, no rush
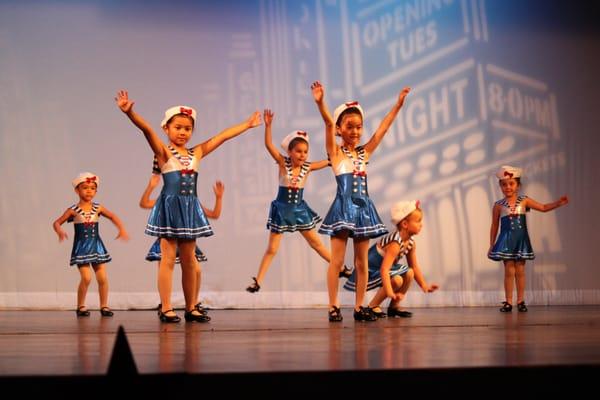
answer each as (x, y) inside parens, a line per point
(177, 216)
(352, 214)
(88, 249)
(154, 253)
(289, 212)
(513, 246)
(385, 269)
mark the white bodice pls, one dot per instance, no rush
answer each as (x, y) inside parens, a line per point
(347, 165)
(286, 177)
(173, 164)
(86, 217)
(506, 210)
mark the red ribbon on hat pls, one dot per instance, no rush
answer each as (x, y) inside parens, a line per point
(92, 179)
(509, 174)
(187, 111)
(301, 133)
(352, 104)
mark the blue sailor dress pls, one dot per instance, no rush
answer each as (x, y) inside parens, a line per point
(513, 241)
(289, 212)
(87, 244)
(352, 209)
(376, 254)
(177, 213)
(154, 254)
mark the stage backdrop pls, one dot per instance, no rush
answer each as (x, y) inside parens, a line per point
(493, 82)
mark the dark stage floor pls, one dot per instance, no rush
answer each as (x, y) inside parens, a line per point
(288, 347)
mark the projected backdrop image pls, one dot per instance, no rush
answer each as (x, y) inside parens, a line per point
(493, 83)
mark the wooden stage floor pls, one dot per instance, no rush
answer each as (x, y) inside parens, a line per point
(555, 340)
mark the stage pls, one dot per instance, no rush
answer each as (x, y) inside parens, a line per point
(285, 347)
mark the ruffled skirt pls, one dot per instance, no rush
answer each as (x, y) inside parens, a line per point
(178, 217)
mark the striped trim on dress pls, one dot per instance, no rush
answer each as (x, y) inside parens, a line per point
(90, 259)
(169, 231)
(293, 228)
(498, 256)
(343, 225)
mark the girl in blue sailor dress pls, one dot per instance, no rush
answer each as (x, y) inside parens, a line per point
(289, 212)
(88, 248)
(386, 271)
(352, 214)
(177, 217)
(154, 253)
(512, 246)
(177, 212)
(513, 242)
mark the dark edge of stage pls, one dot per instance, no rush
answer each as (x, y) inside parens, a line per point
(463, 382)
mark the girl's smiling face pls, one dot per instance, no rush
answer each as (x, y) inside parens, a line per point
(299, 153)
(179, 129)
(509, 187)
(351, 128)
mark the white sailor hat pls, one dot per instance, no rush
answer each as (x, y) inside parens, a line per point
(343, 107)
(86, 177)
(402, 209)
(285, 143)
(507, 172)
(178, 110)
